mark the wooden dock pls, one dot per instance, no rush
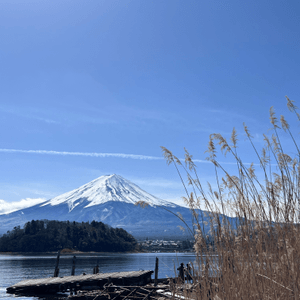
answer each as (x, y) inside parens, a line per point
(71, 284)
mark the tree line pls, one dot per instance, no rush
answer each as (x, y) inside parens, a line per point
(45, 235)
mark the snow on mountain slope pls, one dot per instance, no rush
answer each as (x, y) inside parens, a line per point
(107, 188)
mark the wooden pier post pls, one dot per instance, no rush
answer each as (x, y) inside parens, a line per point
(56, 271)
(156, 271)
(97, 269)
(73, 265)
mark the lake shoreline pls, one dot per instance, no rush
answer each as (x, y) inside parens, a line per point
(75, 252)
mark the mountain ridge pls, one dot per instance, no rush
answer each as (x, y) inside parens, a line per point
(111, 199)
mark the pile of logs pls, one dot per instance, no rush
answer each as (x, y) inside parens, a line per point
(114, 292)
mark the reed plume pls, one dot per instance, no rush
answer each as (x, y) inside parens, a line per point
(258, 257)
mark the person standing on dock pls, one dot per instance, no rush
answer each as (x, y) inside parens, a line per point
(188, 273)
(181, 272)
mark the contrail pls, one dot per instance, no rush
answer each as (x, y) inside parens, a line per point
(103, 155)
(91, 154)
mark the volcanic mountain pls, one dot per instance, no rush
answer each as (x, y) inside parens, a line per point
(112, 200)
(105, 189)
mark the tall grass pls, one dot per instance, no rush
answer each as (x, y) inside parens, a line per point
(260, 257)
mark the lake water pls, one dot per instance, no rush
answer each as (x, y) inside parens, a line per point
(15, 268)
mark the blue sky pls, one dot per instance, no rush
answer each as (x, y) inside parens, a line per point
(126, 77)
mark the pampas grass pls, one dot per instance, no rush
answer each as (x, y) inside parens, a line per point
(259, 258)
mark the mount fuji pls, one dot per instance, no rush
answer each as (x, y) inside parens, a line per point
(112, 200)
(105, 189)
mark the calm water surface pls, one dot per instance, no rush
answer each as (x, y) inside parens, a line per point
(15, 268)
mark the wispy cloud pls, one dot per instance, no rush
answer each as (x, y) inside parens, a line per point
(230, 115)
(28, 113)
(8, 207)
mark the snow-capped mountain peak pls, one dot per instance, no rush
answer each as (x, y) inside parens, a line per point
(107, 188)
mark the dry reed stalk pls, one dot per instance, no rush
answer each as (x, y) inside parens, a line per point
(260, 258)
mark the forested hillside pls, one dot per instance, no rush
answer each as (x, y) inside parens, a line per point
(44, 235)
